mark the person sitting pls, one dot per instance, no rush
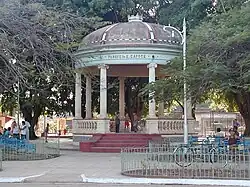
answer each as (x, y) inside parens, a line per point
(232, 139)
(219, 136)
(4, 130)
(219, 133)
(7, 133)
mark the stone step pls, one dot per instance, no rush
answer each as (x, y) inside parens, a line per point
(132, 134)
(112, 143)
(122, 141)
(126, 138)
(106, 149)
(121, 144)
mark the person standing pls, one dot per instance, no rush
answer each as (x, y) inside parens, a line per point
(46, 132)
(23, 130)
(15, 130)
(117, 122)
(127, 123)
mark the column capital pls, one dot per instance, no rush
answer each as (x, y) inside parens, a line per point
(103, 66)
(152, 65)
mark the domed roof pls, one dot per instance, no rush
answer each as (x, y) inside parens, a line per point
(134, 32)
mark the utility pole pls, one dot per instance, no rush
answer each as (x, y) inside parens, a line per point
(184, 47)
(18, 101)
(185, 127)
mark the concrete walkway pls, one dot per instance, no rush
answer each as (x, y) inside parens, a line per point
(74, 167)
(67, 168)
(89, 185)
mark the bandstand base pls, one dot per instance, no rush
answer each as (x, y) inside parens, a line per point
(112, 143)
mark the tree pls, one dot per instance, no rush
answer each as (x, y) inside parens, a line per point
(36, 45)
(113, 10)
(195, 11)
(218, 60)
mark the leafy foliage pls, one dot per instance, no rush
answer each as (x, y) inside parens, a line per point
(195, 12)
(36, 45)
(218, 60)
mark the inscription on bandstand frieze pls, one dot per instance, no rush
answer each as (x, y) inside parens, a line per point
(125, 56)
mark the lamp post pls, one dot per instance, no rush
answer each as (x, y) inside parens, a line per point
(18, 101)
(183, 35)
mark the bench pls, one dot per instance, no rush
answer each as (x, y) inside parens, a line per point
(17, 145)
(241, 144)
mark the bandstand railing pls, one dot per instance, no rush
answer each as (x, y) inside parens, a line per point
(169, 126)
(92, 126)
(164, 126)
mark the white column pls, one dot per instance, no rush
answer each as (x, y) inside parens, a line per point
(151, 77)
(88, 107)
(103, 91)
(78, 99)
(121, 97)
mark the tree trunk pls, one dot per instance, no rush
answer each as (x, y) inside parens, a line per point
(128, 96)
(27, 110)
(181, 105)
(247, 123)
(32, 134)
(242, 100)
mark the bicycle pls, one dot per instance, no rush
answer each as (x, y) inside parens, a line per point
(185, 154)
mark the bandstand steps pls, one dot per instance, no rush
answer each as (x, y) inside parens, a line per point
(121, 144)
(106, 149)
(122, 141)
(112, 143)
(128, 137)
(125, 138)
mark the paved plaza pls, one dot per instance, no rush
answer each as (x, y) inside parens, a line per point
(69, 170)
(90, 185)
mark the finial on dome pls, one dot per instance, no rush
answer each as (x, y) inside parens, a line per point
(136, 17)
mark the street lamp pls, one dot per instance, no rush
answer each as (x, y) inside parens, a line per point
(18, 101)
(183, 35)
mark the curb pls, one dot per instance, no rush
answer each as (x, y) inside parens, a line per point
(11, 179)
(69, 149)
(166, 181)
(18, 179)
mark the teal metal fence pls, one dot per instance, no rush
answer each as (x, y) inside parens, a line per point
(1, 158)
(14, 149)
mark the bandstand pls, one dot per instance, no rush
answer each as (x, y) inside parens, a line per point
(131, 49)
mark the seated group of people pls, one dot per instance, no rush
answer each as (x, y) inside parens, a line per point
(232, 137)
(15, 131)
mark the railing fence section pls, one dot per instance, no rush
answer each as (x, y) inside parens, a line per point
(199, 162)
(1, 158)
(14, 149)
